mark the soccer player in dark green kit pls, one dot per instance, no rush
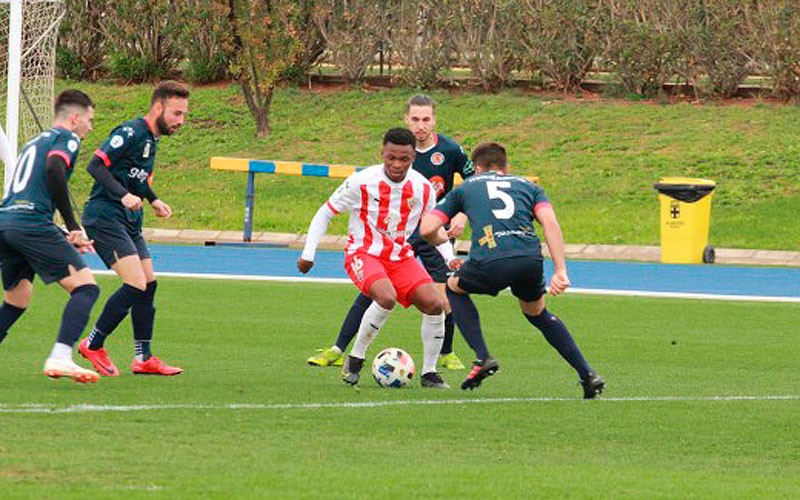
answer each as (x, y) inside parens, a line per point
(439, 159)
(31, 243)
(506, 253)
(123, 171)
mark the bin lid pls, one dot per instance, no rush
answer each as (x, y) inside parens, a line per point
(686, 189)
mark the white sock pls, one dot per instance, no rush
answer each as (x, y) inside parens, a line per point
(432, 340)
(336, 349)
(374, 318)
(61, 351)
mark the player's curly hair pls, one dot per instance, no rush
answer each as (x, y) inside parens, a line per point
(168, 89)
(399, 137)
(490, 155)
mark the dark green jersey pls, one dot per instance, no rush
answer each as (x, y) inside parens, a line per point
(441, 162)
(28, 200)
(129, 153)
(501, 211)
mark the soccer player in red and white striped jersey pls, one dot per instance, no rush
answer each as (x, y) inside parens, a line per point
(385, 203)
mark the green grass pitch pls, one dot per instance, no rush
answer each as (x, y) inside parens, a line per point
(669, 426)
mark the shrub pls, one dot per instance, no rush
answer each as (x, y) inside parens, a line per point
(562, 38)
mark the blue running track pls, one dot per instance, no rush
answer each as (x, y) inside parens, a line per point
(622, 277)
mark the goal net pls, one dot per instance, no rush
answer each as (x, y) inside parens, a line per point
(28, 36)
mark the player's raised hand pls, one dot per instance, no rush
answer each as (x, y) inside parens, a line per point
(304, 266)
(162, 209)
(559, 282)
(131, 202)
(79, 240)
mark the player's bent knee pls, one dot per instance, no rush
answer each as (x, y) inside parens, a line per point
(20, 295)
(534, 308)
(431, 305)
(386, 301)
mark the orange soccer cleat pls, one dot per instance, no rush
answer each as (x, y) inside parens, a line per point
(98, 358)
(154, 366)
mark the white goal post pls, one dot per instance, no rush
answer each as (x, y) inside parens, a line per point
(28, 37)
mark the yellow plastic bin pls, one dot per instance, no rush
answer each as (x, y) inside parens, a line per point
(685, 219)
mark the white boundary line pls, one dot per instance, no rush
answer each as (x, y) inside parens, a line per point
(87, 408)
(584, 291)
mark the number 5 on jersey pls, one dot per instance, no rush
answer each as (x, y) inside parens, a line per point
(493, 189)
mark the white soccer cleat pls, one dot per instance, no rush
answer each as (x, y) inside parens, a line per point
(57, 368)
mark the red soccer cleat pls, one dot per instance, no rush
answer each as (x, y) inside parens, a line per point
(98, 359)
(154, 366)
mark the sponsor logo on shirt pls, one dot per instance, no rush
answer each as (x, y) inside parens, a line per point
(139, 174)
(146, 153)
(437, 158)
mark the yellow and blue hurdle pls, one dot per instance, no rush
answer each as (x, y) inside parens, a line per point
(253, 167)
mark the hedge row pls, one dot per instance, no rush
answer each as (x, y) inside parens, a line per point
(713, 45)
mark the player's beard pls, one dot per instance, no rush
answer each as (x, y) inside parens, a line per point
(163, 128)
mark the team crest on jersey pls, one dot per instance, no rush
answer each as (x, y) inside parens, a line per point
(438, 185)
(437, 158)
(72, 145)
(146, 153)
(412, 202)
(117, 141)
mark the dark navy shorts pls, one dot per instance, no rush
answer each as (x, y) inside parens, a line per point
(431, 259)
(26, 251)
(525, 276)
(113, 241)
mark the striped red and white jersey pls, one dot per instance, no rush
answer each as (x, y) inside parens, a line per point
(383, 213)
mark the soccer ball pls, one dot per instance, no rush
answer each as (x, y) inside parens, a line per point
(393, 367)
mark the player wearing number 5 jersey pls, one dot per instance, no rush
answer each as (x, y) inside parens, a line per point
(385, 203)
(31, 243)
(505, 253)
(123, 171)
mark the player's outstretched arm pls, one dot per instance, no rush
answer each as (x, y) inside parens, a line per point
(316, 230)
(555, 243)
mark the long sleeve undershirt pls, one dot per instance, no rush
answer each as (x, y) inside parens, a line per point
(56, 180)
(316, 230)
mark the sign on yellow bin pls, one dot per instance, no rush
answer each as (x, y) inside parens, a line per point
(685, 219)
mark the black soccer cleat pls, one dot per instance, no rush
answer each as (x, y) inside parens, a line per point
(593, 384)
(480, 370)
(350, 369)
(433, 380)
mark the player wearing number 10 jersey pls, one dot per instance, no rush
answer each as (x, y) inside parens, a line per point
(31, 243)
(505, 253)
